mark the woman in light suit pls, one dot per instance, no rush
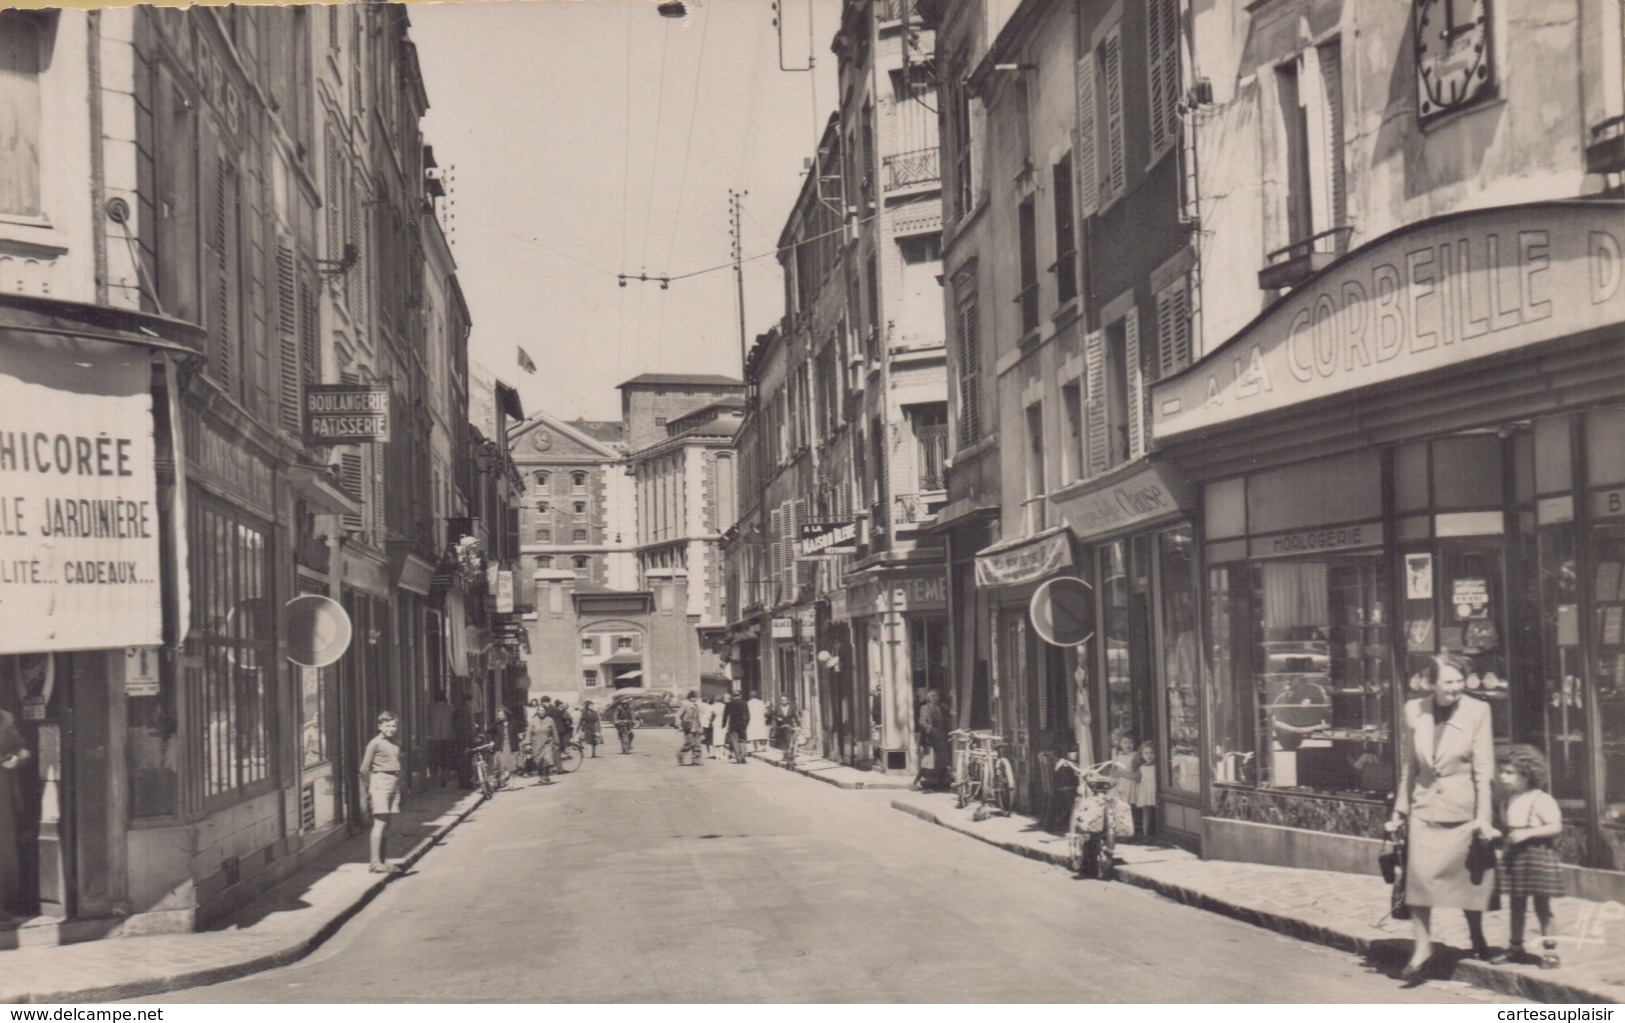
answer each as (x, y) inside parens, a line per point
(1444, 789)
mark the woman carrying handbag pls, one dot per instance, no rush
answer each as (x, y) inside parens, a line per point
(1444, 806)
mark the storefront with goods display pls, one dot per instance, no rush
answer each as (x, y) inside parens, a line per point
(1421, 450)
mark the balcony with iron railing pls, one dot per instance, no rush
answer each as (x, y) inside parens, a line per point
(1291, 265)
(933, 456)
(913, 168)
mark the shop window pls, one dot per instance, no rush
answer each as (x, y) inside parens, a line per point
(1230, 625)
(1345, 489)
(1180, 662)
(1608, 546)
(1467, 472)
(230, 649)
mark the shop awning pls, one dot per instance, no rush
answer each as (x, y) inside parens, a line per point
(1024, 559)
(1136, 495)
(625, 659)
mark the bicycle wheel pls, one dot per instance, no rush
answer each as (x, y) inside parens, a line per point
(1003, 784)
(970, 786)
(485, 778)
(569, 757)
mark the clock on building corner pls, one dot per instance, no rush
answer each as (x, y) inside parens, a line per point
(1455, 60)
(541, 440)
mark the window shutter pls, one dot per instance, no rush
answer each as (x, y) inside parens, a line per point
(1136, 383)
(1088, 159)
(1162, 72)
(287, 330)
(775, 566)
(310, 357)
(350, 476)
(217, 185)
(375, 499)
(1331, 74)
(1173, 329)
(1095, 435)
(1111, 53)
(970, 375)
(801, 571)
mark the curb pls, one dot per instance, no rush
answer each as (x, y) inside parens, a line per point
(807, 772)
(290, 953)
(1471, 971)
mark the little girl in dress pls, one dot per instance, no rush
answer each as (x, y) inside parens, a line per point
(1145, 793)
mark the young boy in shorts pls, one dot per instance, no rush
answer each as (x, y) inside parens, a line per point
(381, 780)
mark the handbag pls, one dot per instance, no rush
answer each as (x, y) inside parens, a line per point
(1392, 863)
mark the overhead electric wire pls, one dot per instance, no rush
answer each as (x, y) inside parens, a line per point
(682, 177)
(626, 184)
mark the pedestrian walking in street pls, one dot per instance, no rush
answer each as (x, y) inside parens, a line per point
(1530, 868)
(625, 724)
(1444, 803)
(785, 722)
(591, 733)
(689, 718)
(442, 738)
(736, 720)
(933, 728)
(756, 731)
(560, 717)
(381, 781)
(505, 737)
(713, 719)
(12, 754)
(544, 745)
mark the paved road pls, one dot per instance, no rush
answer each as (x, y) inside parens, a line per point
(635, 880)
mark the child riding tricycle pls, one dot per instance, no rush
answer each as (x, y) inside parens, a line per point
(1099, 818)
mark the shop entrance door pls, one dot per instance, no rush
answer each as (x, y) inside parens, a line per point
(1125, 594)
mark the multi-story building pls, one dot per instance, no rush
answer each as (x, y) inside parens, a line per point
(578, 513)
(1406, 423)
(1069, 262)
(185, 244)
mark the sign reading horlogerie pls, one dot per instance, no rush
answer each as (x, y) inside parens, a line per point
(1442, 292)
(79, 555)
(346, 414)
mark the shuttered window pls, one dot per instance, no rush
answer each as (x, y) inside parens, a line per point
(1097, 438)
(354, 483)
(1135, 375)
(1331, 77)
(1162, 73)
(287, 331)
(1173, 328)
(970, 373)
(1088, 149)
(1115, 169)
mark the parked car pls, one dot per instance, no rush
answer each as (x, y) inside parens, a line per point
(651, 710)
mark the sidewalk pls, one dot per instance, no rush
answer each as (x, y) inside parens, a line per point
(284, 924)
(1345, 911)
(832, 773)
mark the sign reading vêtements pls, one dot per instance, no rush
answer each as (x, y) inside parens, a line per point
(346, 414)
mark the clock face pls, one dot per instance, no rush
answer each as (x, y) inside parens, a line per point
(1453, 55)
(541, 440)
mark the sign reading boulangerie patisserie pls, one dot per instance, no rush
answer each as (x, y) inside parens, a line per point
(346, 414)
(79, 558)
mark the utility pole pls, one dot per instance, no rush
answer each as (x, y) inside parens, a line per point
(736, 229)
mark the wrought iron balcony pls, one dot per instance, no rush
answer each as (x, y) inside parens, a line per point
(915, 167)
(1290, 266)
(1605, 153)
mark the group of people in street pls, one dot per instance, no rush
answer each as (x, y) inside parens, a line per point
(733, 726)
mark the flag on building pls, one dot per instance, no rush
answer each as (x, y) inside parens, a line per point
(525, 362)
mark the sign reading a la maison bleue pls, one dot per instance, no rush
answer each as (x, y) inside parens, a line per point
(346, 414)
(1439, 293)
(79, 555)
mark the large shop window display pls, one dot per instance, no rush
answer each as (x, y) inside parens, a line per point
(1606, 475)
(1301, 627)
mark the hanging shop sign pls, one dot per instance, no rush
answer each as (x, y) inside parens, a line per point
(504, 592)
(1433, 295)
(79, 553)
(784, 628)
(1142, 497)
(1024, 560)
(141, 671)
(1063, 611)
(822, 539)
(346, 414)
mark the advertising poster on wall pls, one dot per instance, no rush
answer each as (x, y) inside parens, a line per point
(79, 553)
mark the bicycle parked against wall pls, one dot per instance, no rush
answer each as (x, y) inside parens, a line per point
(981, 771)
(484, 770)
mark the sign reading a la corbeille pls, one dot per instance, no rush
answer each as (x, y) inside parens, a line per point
(346, 414)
